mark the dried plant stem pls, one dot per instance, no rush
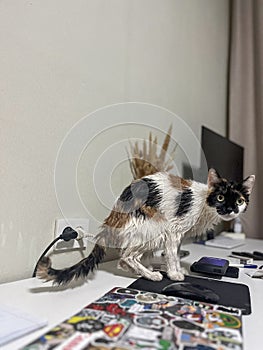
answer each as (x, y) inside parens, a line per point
(147, 161)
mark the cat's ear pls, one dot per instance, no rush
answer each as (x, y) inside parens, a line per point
(248, 183)
(213, 178)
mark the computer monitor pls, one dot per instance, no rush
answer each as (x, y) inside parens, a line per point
(220, 153)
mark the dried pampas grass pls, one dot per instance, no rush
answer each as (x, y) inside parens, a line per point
(146, 161)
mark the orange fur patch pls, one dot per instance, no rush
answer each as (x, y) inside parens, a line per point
(117, 219)
(179, 183)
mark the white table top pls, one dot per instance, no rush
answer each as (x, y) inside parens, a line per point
(58, 303)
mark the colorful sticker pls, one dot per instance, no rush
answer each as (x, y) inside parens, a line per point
(113, 330)
(218, 319)
(127, 292)
(127, 319)
(183, 324)
(150, 321)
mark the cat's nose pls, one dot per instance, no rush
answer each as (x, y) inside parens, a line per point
(229, 210)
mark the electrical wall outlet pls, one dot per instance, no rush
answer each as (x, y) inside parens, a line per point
(75, 223)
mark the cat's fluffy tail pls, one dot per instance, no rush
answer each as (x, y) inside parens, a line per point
(81, 269)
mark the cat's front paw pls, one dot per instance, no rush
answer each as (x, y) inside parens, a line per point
(156, 276)
(176, 275)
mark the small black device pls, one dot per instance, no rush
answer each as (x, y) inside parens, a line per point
(210, 265)
(232, 272)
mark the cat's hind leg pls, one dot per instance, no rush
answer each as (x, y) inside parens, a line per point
(131, 259)
(124, 266)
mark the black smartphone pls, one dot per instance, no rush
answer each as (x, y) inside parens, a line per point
(210, 265)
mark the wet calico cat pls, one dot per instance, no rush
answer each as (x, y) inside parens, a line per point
(155, 212)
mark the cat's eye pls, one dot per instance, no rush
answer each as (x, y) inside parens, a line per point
(220, 198)
(240, 201)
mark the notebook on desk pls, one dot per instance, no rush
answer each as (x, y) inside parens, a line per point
(224, 242)
(127, 318)
(15, 323)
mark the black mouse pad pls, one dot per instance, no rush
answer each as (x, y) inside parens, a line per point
(230, 294)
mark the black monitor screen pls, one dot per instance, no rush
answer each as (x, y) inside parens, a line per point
(223, 155)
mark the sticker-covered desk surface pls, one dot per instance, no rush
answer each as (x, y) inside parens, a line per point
(132, 319)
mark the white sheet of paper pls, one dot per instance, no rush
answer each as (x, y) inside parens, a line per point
(15, 323)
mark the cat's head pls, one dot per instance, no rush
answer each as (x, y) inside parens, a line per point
(228, 198)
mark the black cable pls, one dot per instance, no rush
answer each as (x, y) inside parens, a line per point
(67, 234)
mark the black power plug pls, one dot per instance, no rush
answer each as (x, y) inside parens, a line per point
(68, 234)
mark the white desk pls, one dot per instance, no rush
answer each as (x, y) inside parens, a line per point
(58, 303)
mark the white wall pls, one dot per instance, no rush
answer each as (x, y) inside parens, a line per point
(62, 59)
